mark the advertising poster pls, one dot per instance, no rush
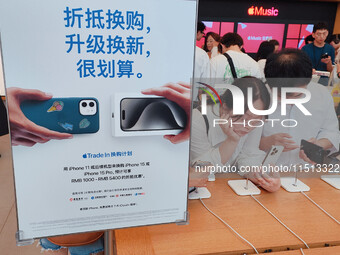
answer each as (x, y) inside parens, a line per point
(255, 33)
(90, 150)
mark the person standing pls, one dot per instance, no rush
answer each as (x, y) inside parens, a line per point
(212, 44)
(202, 64)
(276, 45)
(335, 42)
(320, 53)
(233, 63)
(265, 49)
(292, 68)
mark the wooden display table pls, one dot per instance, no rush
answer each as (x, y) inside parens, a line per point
(207, 235)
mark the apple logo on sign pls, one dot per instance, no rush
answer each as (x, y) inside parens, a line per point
(251, 10)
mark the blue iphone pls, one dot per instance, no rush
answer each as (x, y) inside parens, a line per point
(67, 115)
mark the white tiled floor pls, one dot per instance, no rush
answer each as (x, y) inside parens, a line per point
(8, 224)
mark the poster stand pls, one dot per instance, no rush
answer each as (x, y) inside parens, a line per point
(184, 221)
(108, 242)
(107, 182)
(108, 236)
(20, 241)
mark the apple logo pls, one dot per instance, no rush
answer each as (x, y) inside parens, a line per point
(84, 155)
(251, 10)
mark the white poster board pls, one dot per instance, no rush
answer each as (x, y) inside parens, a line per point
(93, 50)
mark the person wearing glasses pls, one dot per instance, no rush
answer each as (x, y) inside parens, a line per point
(292, 68)
(320, 53)
(202, 62)
(224, 139)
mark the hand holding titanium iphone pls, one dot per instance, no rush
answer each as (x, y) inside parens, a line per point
(314, 152)
(67, 115)
(272, 155)
(139, 116)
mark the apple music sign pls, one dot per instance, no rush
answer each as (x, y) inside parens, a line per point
(260, 11)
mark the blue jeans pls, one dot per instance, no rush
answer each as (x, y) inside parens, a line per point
(88, 249)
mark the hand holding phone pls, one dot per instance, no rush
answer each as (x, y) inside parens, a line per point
(312, 153)
(325, 58)
(23, 131)
(325, 55)
(273, 155)
(271, 183)
(180, 94)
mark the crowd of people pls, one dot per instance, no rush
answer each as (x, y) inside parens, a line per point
(323, 55)
(269, 76)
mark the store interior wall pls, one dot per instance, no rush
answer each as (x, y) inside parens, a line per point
(290, 11)
(337, 21)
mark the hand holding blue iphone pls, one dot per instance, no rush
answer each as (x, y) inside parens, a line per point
(67, 115)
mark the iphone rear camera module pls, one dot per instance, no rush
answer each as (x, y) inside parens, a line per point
(88, 107)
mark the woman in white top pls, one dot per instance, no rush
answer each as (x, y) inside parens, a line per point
(233, 144)
(212, 44)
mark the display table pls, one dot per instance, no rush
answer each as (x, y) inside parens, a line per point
(313, 251)
(207, 235)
